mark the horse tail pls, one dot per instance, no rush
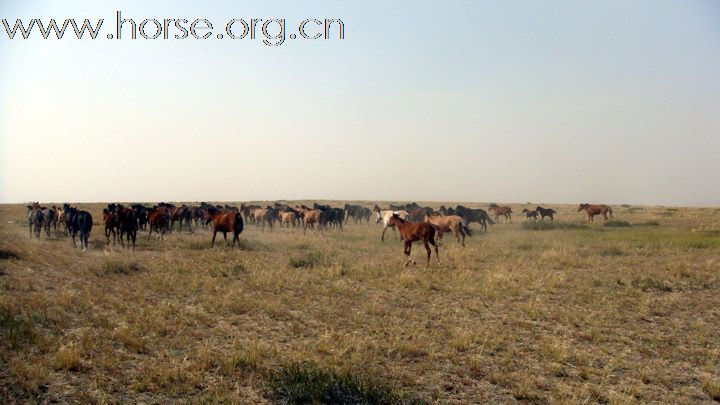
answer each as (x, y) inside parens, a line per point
(489, 220)
(239, 225)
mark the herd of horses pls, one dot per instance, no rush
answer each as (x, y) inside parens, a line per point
(412, 221)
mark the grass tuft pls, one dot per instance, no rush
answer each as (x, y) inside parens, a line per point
(309, 260)
(300, 383)
(120, 267)
(711, 385)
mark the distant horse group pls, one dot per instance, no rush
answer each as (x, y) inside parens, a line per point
(412, 221)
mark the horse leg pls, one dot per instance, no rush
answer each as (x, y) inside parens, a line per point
(431, 239)
(382, 237)
(406, 251)
(225, 237)
(427, 248)
(212, 244)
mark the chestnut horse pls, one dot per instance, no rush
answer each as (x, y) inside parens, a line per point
(225, 221)
(501, 211)
(593, 210)
(110, 220)
(384, 216)
(415, 231)
(159, 219)
(450, 223)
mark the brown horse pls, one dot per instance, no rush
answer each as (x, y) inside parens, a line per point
(449, 223)
(311, 217)
(225, 221)
(110, 220)
(415, 231)
(501, 211)
(159, 219)
(593, 210)
(288, 218)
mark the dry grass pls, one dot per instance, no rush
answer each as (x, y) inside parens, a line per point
(570, 312)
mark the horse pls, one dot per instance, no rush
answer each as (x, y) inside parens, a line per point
(593, 210)
(471, 215)
(51, 220)
(353, 211)
(384, 216)
(158, 218)
(60, 215)
(530, 214)
(451, 223)
(333, 216)
(128, 225)
(79, 222)
(546, 212)
(263, 216)
(418, 214)
(415, 231)
(225, 221)
(365, 213)
(288, 218)
(501, 211)
(141, 215)
(311, 217)
(110, 220)
(36, 219)
(182, 216)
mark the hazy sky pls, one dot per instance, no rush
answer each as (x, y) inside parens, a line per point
(514, 101)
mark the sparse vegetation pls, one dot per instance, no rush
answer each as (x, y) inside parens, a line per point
(581, 312)
(616, 224)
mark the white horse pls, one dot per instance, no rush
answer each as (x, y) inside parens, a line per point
(384, 216)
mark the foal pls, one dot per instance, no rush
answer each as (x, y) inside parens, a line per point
(415, 231)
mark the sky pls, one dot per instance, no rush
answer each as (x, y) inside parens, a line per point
(508, 101)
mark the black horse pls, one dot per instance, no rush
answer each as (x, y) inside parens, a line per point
(128, 225)
(546, 212)
(78, 222)
(478, 215)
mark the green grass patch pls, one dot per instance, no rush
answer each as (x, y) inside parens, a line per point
(16, 329)
(551, 225)
(303, 384)
(616, 224)
(647, 223)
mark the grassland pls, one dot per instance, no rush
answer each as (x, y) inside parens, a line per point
(564, 313)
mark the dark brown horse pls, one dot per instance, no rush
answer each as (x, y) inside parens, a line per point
(594, 209)
(128, 225)
(226, 221)
(415, 231)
